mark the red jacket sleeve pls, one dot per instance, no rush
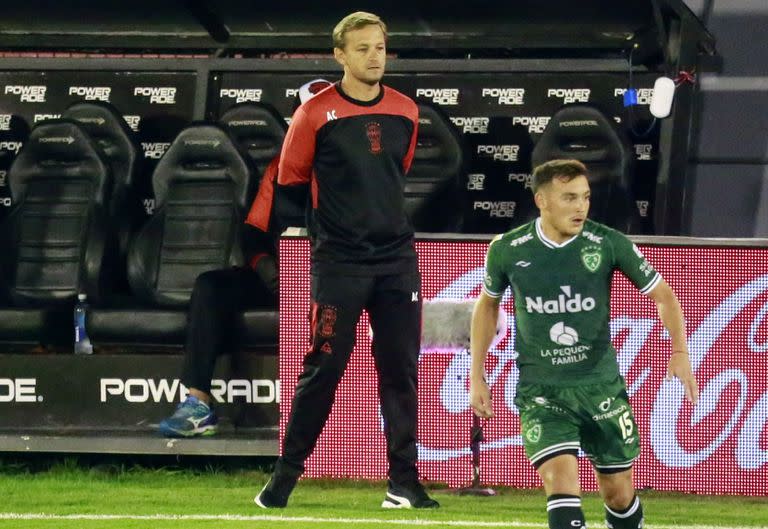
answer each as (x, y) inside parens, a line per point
(262, 206)
(298, 151)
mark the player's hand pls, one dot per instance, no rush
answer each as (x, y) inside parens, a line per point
(480, 398)
(680, 368)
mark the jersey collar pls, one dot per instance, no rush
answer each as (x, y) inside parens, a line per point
(548, 242)
(354, 101)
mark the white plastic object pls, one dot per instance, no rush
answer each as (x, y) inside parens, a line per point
(663, 94)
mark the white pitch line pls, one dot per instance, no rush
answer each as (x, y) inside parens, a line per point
(265, 518)
(310, 519)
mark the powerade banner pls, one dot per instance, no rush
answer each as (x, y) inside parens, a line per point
(55, 393)
(156, 106)
(719, 446)
(500, 117)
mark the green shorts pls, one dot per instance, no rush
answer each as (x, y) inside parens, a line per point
(597, 418)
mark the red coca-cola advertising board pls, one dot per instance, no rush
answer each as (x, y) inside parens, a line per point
(718, 446)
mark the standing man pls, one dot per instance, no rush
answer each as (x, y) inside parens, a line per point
(570, 393)
(352, 146)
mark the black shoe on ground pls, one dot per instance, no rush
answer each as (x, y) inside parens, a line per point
(275, 493)
(408, 496)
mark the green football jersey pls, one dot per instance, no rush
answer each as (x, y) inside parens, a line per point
(562, 298)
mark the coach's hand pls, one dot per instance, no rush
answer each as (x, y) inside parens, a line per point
(480, 398)
(680, 367)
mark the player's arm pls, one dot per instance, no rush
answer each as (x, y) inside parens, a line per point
(671, 315)
(295, 171)
(484, 318)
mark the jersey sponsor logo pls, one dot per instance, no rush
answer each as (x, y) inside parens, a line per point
(331, 115)
(591, 258)
(570, 354)
(27, 93)
(373, 132)
(505, 96)
(523, 264)
(441, 96)
(609, 414)
(91, 93)
(606, 404)
(158, 95)
(561, 334)
(570, 95)
(565, 302)
(521, 240)
(535, 124)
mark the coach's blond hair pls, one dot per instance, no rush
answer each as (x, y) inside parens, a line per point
(353, 21)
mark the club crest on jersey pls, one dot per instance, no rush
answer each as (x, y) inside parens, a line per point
(591, 257)
(534, 433)
(373, 131)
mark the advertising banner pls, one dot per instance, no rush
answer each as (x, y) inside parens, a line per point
(719, 446)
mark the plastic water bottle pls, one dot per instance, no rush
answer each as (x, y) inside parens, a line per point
(82, 342)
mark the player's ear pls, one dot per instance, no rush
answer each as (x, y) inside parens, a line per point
(539, 199)
(338, 54)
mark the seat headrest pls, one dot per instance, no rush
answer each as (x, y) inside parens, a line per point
(59, 148)
(204, 152)
(258, 128)
(584, 133)
(104, 123)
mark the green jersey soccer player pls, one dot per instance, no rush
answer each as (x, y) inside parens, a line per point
(570, 394)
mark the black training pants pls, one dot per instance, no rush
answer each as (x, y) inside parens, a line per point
(393, 303)
(217, 299)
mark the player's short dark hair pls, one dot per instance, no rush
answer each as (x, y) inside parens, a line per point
(565, 169)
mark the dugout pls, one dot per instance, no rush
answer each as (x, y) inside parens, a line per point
(498, 71)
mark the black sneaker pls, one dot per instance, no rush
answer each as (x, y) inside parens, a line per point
(275, 494)
(408, 496)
